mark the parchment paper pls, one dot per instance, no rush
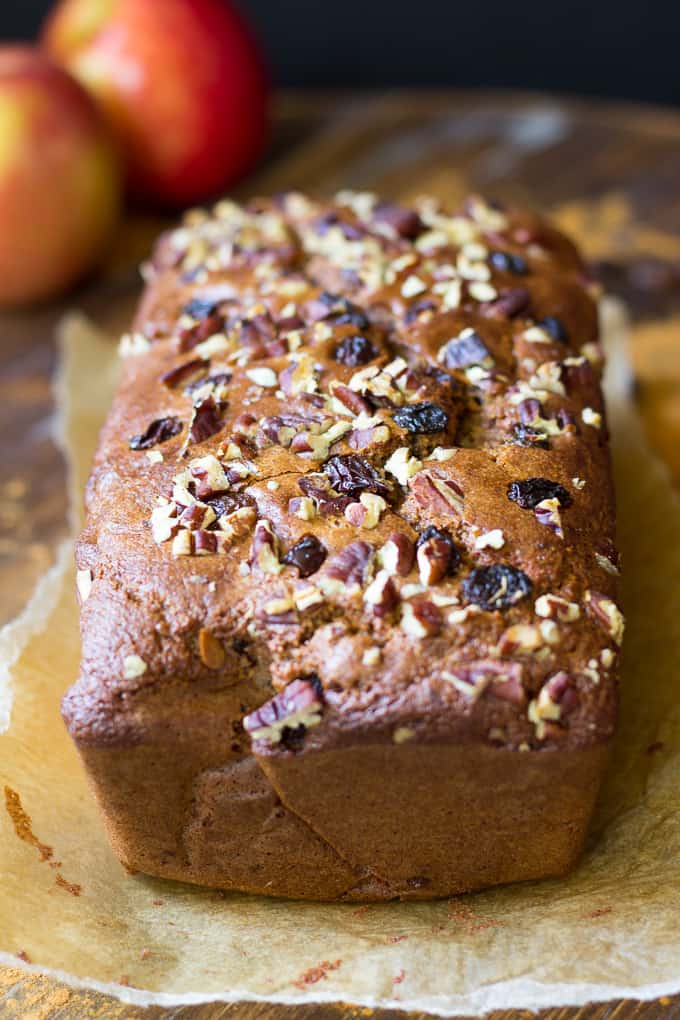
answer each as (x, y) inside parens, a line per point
(611, 929)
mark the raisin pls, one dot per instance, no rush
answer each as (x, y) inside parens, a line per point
(529, 492)
(351, 475)
(424, 417)
(441, 535)
(495, 587)
(505, 262)
(465, 351)
(354, 317)
(227, 504)
(159, 431)
(555, 327)
(307, 555)
(317, 487)
(525, 435)
(355, 350)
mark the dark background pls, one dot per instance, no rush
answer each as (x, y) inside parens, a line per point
(627, 48)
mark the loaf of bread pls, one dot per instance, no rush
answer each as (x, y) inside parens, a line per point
(348, 575)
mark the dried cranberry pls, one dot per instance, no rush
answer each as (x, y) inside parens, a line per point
(425, 417)
(529, 492)
(200, 308)
(495, 587)
(307, 555)
(465, 351)
(351, 475)
(506, 262)
(441, 535)
(355, 350)
(206, 421)
(555, 327)
(159, 431)
(525, 435)
(405, 223)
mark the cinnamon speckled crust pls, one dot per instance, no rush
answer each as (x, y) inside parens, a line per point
(358, 587)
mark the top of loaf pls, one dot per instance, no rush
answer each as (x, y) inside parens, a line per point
(358, 456)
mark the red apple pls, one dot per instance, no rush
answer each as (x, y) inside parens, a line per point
(182, 82)
(60, 186)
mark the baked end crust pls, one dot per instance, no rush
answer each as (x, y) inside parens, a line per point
(348, 575)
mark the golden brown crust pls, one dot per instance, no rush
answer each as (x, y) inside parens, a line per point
(353, 499)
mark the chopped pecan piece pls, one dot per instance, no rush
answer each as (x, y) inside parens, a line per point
(381, 594)
(503, 678)
(421, 618)
(510, 304)
(158, 431)
(206, 420)
(403, 222)
(351, 566)
(287, 716)
(607, 613)
(264, 551)
(398, 554)
(188, 372)
(442, 495)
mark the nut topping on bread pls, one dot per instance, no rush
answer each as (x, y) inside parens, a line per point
(371, 553)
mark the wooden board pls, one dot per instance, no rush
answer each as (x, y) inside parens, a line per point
(608, 173)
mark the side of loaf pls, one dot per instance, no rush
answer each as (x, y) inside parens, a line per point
(348, 575)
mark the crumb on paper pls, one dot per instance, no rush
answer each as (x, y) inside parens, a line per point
(22, 824)
(317, 973)
(72, 887)
(600, 912)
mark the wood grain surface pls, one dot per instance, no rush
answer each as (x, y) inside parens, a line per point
(608, 174)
